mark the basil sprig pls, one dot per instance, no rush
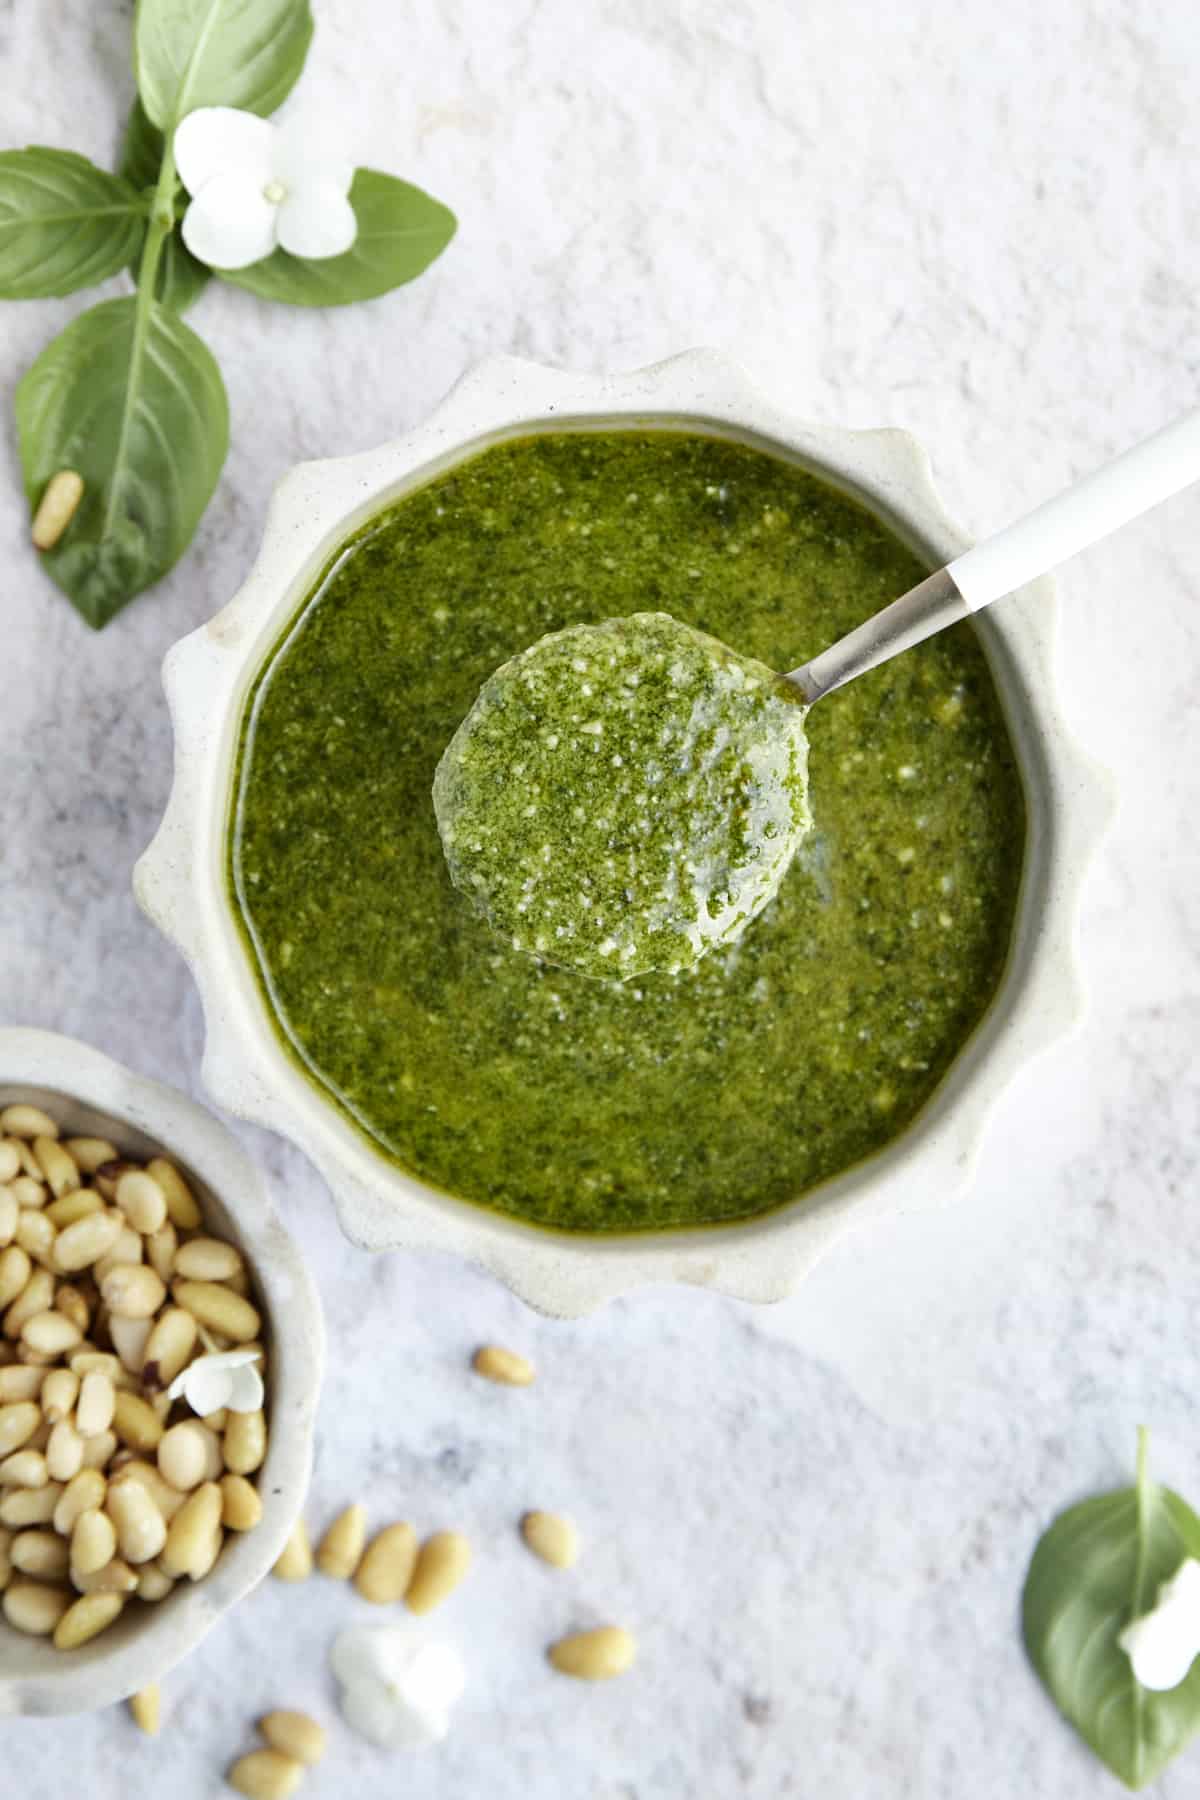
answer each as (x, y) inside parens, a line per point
(128, 395)
(1098, 1567)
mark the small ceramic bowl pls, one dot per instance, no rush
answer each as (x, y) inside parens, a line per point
(89, 1095)
(180, 880)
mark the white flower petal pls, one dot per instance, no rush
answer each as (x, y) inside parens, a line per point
(207, 1383)
(245, 1390)
(221, 140)
(317, 220)
(364, 1653)
(1160, 1657)
(434, 1679)
(369, 1709)
(307, 149)
(230, 223)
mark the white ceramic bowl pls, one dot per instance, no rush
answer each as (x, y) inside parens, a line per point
(179, 881)
(91, 1095)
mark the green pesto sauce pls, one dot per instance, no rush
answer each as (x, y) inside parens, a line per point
(591, 1105)
(624, 796)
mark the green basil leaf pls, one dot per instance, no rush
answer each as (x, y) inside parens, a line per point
(400, 231)
(181, 278)
(64, 223)
(1100, 1565)
(141, 149)
(244, 53)
(130, 397)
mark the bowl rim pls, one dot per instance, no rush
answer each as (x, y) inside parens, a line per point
(99, 1089)
(179, 880)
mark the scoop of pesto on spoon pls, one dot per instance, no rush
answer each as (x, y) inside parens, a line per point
(622, 797)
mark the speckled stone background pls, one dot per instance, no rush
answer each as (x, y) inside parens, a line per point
(983, 224)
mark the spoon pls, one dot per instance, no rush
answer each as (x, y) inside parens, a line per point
(1095, 507)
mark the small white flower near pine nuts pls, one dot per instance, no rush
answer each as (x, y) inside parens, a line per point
(295, 1562)
(386, 1569)
(145, 1708)
(340, 1550)
(265, 1775)
(442, 1562)
(294, 1734)
(506, 1367)
(56, 508)
(597, 1655)
(552, 1537)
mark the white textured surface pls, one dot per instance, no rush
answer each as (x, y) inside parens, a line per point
(979, 224)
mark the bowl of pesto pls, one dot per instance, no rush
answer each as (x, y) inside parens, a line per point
(714, 1118)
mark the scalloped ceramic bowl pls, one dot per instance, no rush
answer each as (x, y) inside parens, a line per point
(91, 1095)
(180, 882)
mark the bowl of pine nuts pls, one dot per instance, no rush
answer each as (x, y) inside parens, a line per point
(161, 1349)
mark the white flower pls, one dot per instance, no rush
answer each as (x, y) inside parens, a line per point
(1163, 1644)
(254, 185)
(397, 1688)
(226, 1378)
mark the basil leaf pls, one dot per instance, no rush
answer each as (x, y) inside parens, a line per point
(130, 397)
(401, 230)
(1100, 1565)
(181, 278)
(64, 223)
(244, 53)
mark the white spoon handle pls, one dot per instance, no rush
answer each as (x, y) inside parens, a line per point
(1099, 504)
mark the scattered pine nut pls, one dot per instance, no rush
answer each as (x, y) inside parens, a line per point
(594, 1655)
(295, 1559)
(340, 1550)
(552, 1537)
(495, 1363)
(386, 1570)
(265, 1775)
(294, 1734)
(145, 1709)
(442, 1562)
(56, 508)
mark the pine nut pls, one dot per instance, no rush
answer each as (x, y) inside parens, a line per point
(60, 1389)
(145, 1706)
(294, 1734)
(168, 1348)
(24, 1469)
(80, 1204)
(56, 508)
(18, 1423)
(9, 1214)
(72, 1303)
(133, 1291)
(141, 1528)
(36, 1296)
(241, 1508)
(216, 1423)
(167, 1498)
(85, 1493)
(214, 1467)
(183, 1456)
(442, 1562)
(57, 1165)
(34, 1608)
(594, 1655)
(181, 1205)
(10, 1160)
(189, 1538)
(52, 1333)
(153, 1585)
(495, 1363)
(551, 1537)
(90, 1361)
(20, 1382)
(96, 1404)
(245, 1442)
(91, 1152)
(40, 1553)
(265, 1775)
(15, 1270)
(85, 1242)
(218, 1308)
(64, 1452)
(93, 1542)
(129, 1340)
(208, 1557)
(85, 1620)
(36, 1235)
(115, 1577)
(30, 1506)
(98, 1449)
(127, 1250)
(340, 1550)
(24, 1121)
(295, 1559)
(6, 1542)
(107, 1175)
(161, 1246)
(386, 1569)
(135, 1422)
(142, 1201)
(29, 1192)
(207, 1259)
